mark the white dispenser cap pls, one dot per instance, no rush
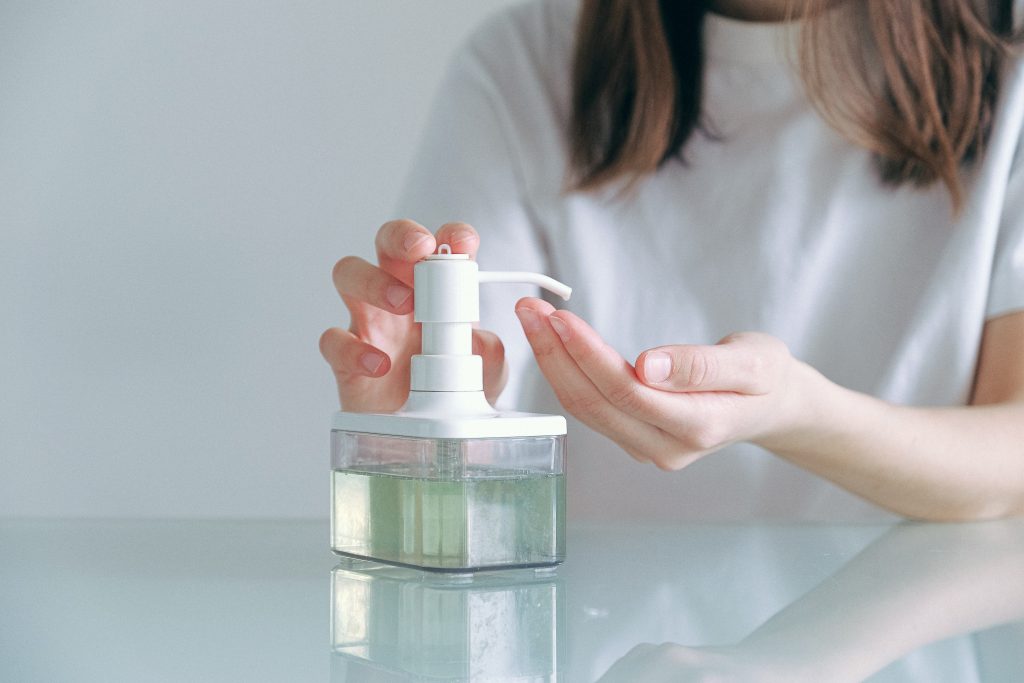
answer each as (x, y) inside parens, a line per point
(446, 397)
(447, 303)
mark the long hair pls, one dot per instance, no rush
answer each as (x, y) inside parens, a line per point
(919, 81)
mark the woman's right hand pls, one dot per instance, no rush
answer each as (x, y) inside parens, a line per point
(370, 360)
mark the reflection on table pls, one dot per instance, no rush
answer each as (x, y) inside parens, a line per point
(916, 585)
(208, 600)
(491, 626)
(756, 603)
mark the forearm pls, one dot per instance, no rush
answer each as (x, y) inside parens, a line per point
(930, 463)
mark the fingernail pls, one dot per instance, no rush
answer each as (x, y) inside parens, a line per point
(371, 361)
(561, 329)
(460, 236)
(529, 319)
(413, 239)
(397, 295)
(657, 366)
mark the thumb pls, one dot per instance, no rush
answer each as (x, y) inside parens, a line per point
(746, 363)
(488, 346)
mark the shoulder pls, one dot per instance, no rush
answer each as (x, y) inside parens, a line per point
(523, 47)
(536, 27)
(518, 65)
(1009, 115)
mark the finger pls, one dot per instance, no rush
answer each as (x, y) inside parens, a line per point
(743, 363)
(357, 279)
(461, 237)
(605, 368)
(578, 394)
(488, 346)
(348, 355)
(400, 244)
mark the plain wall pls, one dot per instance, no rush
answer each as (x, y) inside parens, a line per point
(176, 181)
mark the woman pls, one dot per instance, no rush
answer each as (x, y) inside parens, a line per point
(849, 184)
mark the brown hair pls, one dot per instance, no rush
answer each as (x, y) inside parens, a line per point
(924, 107)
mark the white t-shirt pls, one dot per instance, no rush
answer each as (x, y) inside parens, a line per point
(779, 226)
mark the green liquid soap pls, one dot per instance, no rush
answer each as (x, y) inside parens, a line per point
(480, 518)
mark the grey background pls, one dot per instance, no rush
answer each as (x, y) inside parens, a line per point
(176, 181)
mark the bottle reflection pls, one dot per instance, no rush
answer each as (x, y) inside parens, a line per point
(391, 623)
(918, 584)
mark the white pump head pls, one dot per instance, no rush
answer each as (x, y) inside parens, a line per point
(446, 377)
(446, 397)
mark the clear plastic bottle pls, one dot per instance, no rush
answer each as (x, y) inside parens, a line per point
(454, 505)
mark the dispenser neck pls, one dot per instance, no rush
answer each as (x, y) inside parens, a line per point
(447, 303)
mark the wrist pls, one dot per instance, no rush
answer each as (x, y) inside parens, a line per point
(800, 411)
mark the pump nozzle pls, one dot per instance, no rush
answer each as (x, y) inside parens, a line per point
(549, 283)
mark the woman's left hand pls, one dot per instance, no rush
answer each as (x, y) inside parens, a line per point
(678, 403)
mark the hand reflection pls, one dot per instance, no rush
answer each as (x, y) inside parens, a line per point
(917, 584)
(647, 663)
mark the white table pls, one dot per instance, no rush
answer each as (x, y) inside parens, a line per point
(254, 601)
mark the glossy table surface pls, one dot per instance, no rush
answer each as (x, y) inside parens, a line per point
(266, 601)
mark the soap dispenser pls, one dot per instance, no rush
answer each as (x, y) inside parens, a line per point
(447, 483)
